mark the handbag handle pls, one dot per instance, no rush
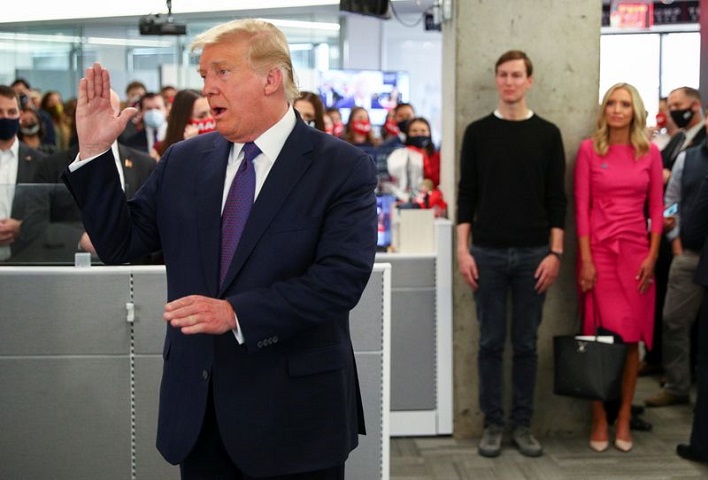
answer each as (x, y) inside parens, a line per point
(595, 313)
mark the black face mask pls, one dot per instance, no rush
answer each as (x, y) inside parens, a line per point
(9, 127)
(682, 117)
(402, 125)
(419, 141)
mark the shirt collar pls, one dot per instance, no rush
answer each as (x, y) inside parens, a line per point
(271, 141)
(691, 132)
(498, 114)
(14, 149)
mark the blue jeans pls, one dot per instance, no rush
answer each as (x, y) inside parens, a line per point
(503, 271)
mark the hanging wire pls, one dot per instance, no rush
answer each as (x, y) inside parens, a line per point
(410, 25)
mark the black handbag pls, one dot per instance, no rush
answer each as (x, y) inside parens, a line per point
(587, 368)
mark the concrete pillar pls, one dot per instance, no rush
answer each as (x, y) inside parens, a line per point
(703, 73)
(563, 41)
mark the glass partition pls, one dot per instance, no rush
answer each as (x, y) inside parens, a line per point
(47, 226)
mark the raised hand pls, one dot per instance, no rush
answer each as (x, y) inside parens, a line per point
(97, 124)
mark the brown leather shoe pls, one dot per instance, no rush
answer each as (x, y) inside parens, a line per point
(664, 399)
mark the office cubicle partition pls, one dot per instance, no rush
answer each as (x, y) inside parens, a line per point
(80, 366)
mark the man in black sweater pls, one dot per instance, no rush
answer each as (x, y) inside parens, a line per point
(510, 214)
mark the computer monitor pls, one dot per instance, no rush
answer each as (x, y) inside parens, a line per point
(385, 205)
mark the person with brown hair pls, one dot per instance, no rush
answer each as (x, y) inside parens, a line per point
(358, 131)
(510, 222)
(52, 104)
(309, 106)
(189, 116)
(32, 131)
(417, 160)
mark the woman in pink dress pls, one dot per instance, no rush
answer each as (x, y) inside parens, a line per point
(617, 176)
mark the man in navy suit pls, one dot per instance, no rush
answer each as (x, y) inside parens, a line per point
(695, 231)
(259, 378)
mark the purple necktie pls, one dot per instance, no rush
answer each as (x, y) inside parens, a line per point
(237, 207)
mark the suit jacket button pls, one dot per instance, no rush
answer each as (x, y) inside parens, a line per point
(275, 339)
(205, 374)
(259, 344)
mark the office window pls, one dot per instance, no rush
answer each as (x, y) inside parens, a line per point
(655, 63)
(634, 59)
(680, 61)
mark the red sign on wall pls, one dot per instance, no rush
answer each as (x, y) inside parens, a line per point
(634, 14)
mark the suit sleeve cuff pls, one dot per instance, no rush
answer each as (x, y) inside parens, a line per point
(76, 164)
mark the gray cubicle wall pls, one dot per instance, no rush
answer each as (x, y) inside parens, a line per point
(80, 365)
(421, 338)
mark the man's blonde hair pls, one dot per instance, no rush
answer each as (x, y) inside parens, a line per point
(268, 47)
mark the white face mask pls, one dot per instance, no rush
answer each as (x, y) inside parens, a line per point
(154, 118)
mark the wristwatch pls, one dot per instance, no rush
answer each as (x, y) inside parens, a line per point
(558, 255)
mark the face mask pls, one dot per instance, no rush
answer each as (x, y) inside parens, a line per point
(338, 129)
(419, 141)
(391, 127)
(9, 127)
(30, 129)
(311, 123)
(402, 125)
(661, 120)
(362, 127)
(56, 110)
(154, 118)
(204, 125)
(682, 117)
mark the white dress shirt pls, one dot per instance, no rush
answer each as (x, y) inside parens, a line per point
(8, 179)
(270, 143)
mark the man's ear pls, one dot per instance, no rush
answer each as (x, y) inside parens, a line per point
(274, 80)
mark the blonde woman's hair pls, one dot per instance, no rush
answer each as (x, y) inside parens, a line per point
(637, 135)
(268, 47)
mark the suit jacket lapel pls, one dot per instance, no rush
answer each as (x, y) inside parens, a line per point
(290, 165)
(25, 166)
(129, 174)
(208, 195)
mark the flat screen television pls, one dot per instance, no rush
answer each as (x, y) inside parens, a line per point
(372, 8)
(375, 90)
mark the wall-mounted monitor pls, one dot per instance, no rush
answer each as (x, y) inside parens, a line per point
(372, 8)
(375, 90)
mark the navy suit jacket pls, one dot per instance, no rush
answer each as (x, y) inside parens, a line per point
(30, 204)
(288, 399)
(695, 231)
